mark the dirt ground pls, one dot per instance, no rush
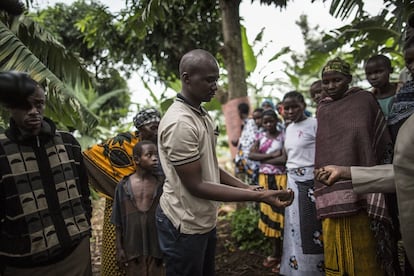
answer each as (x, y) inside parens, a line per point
(229, 259)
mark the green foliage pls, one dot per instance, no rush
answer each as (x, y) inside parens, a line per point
(3, 124)
(276, 3)
(112, 108)
(170, 28)
(305, 67)
(343, 9)
(250, 60)
(89, 30)
(159, 31)
(244, 223)
(214, 104)
(367, 35)
(94, 193)
(62, 103)
(50, 51)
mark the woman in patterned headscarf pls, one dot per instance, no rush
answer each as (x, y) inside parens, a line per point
(351, 131)
(107, 163)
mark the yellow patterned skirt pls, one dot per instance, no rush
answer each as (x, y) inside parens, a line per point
(271, 218)
(349, 246)
(109, 265)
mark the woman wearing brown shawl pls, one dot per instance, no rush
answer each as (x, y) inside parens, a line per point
(107, 163)
(351, 131)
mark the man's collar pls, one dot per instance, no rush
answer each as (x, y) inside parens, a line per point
(200, 110)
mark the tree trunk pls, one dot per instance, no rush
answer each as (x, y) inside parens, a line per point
(232, 53)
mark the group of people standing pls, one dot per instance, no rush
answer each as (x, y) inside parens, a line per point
(284, 149)
(162, 183)
(334, 227)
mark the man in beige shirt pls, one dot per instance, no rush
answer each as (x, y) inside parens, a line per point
(397, 177)
(187, 213)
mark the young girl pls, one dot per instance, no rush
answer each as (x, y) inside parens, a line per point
(268, 145)
(377, 71)
(302, 242)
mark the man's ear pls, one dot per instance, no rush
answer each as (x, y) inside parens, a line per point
(185, 77)
(349, 79)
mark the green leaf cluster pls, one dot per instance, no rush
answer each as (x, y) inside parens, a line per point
(170, 28)
(244, 222)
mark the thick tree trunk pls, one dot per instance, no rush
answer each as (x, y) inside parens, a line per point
(232, 53)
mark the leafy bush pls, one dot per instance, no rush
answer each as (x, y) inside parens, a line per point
(244, 223)
(94, 193)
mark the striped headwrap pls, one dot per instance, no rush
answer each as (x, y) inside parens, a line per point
(146, 116)
(337, 65)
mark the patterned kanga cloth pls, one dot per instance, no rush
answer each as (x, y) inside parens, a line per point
(107, 163)
(351, 245)
(109, 265)
(271, 218)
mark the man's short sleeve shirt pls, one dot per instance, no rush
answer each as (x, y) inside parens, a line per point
(185, 135)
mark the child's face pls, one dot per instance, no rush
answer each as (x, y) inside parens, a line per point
(269, 123)
(409, 59)
(257, 117)
(149, 158)
(335, 84)
(377, 73)
(316, 92)
(293, 109)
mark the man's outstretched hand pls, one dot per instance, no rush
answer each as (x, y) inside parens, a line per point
(278, 198)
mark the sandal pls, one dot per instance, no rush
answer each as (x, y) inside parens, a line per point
(276, 269)
(271, 262)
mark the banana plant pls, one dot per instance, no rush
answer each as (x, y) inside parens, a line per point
(25, 46)
(367, 35)
(94, 103)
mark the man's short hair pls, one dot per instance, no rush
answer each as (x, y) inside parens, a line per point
(15, 88)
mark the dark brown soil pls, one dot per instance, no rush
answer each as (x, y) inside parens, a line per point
(229, 259)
